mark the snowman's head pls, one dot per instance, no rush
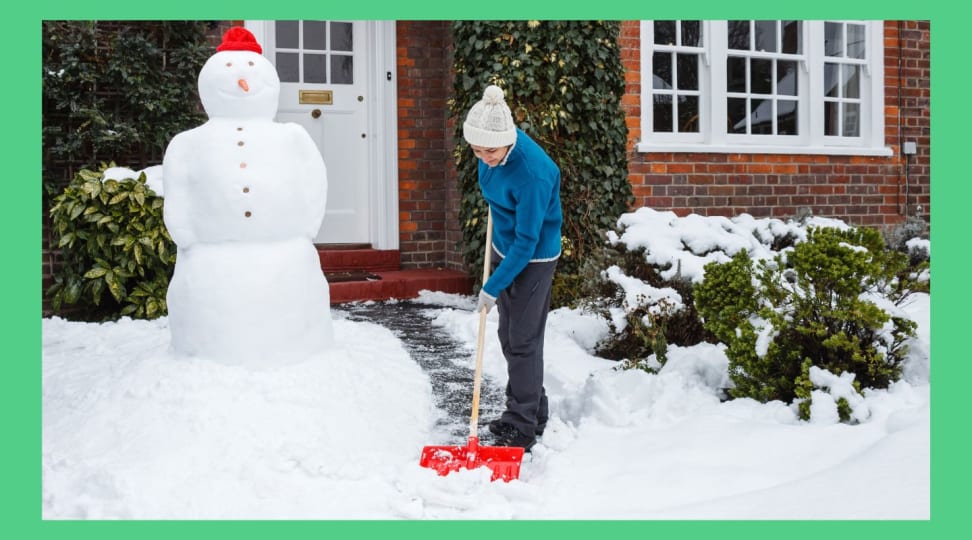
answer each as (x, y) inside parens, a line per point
(238, 81)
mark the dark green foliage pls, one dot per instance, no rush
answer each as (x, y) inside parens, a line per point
(811, 305)
(803, 388)
(117, 254)
(919, 258)
(649, 327)
(563, 81)
(117, 91)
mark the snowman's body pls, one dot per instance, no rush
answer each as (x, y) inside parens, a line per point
(244, 198)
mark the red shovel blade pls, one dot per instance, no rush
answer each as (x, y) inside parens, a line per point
(504, 461)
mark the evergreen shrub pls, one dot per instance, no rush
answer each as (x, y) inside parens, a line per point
(112, 91)
(117, 256)
(912, 238)
(829, 301)
(642, 289)
(644, 326)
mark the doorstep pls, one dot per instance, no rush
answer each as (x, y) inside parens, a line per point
(400, 284)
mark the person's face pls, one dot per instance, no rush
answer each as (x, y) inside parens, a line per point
(490, 156)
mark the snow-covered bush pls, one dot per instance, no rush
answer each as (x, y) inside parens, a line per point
(642, 280)
(646, 311)
(912, 238)
(117, 255)
(829, 303)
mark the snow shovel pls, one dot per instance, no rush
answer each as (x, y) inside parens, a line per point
(502, 460)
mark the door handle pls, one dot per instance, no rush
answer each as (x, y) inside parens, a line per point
(316, 113)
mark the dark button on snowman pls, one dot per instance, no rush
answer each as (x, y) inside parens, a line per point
(244, 199)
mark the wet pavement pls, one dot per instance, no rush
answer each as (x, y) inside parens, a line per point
(436, 352)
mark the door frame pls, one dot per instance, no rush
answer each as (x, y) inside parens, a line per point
(382, 85)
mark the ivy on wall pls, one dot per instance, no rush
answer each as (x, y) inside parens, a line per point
(117, 91)
(563, 82)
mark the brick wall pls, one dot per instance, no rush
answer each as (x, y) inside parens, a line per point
(908, 104)
(860, 190)
(50, 262)
(871, 191)
(428, 217)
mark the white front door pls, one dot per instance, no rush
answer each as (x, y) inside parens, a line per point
(323, 68)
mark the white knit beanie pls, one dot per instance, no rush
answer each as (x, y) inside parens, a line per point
(489, 123)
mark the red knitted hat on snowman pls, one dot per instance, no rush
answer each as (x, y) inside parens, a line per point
(238, 38)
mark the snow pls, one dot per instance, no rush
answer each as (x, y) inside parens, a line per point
(131, 431)
(153, 176)
(244, 198)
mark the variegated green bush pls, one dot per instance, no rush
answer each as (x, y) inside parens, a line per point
(117, 256)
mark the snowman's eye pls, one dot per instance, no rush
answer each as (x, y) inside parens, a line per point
(251, 62)
(228, 64)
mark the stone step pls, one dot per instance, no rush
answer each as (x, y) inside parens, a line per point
(357, 257)
(401, 284)
(357, 272)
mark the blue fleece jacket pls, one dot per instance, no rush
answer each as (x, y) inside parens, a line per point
(524, 194)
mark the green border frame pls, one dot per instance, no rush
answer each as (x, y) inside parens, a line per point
(21, 281)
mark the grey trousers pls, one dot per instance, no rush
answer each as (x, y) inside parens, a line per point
(523, 308)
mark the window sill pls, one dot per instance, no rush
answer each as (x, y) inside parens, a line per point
(751, 149)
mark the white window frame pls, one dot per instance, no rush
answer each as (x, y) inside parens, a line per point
(713, 137)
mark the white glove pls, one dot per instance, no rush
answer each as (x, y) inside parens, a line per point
(485, 301)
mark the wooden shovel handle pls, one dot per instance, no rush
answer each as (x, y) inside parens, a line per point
(474, 418)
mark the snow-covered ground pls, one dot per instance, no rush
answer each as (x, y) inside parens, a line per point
(131, 431)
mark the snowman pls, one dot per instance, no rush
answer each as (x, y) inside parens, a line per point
(244, 198)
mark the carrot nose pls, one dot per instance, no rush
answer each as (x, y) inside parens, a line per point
(242, 84)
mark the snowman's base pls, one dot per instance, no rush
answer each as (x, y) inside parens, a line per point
(252, 303)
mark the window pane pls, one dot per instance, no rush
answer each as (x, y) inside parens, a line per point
(738, 35)
(856, 46)
(761, 116)
(665, 32)
(831, 79)
(688, 71)
(692, 33)
(786, 78)
(341, 36)
(786, 117)
(792, 37)
(735, 74)
(766, 81)
(761, 77)
(286, 35)
(852, 81)
(831, 117)
(736, 111)
(342, 69)
(662, 113)
(315, 68)
(852, 114)
(315, 34)
(766, 36)
(662, 69)
(288, 67)
(688, 114)
(833, 39)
